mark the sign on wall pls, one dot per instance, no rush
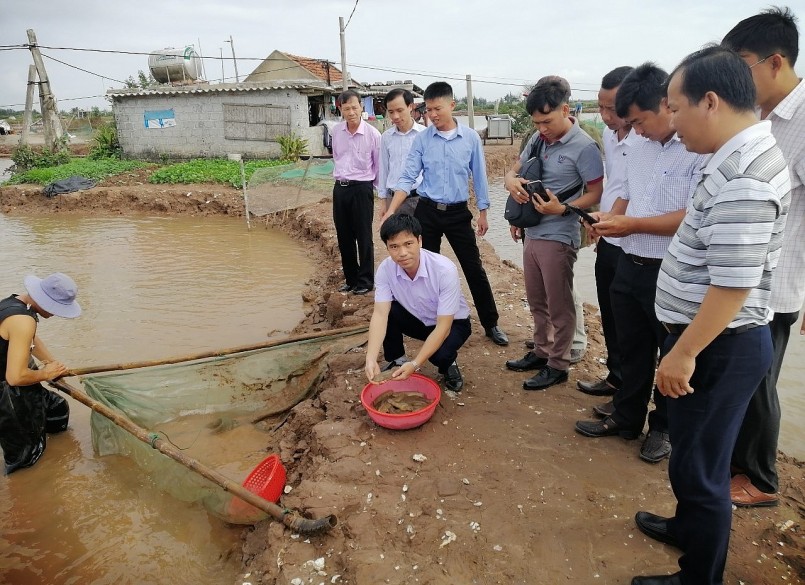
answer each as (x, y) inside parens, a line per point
(160, 118)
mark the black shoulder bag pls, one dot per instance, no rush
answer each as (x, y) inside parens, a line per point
(524, 215)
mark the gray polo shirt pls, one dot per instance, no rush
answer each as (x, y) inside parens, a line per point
(574, 159)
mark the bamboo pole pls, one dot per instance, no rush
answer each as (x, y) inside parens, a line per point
(288, 518)
(217, 353)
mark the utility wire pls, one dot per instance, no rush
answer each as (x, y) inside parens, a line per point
(84, 70)
(350, 15)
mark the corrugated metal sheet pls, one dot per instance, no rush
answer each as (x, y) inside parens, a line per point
(216, 88)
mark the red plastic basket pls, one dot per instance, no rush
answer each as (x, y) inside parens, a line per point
(267, 480)
(409, 420)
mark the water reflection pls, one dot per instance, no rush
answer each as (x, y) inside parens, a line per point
(150, 288)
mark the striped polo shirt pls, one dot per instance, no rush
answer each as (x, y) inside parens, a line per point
(732, 232)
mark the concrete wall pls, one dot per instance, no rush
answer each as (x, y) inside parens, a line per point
(199, 130)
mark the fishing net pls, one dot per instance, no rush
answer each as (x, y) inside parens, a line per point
(222, 411)
(274, 189)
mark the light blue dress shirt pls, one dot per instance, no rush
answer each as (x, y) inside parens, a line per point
(446, 166)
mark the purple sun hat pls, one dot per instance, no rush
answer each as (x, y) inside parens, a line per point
(55, 294)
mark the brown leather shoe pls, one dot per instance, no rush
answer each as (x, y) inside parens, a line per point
(746, 495)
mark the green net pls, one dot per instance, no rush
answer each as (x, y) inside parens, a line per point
(270, 190)
(221, 411)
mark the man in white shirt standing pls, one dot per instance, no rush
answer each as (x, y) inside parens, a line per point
(769, 43)
(394, 146)
(618, 138)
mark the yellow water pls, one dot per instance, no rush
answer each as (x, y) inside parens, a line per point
(149, 288)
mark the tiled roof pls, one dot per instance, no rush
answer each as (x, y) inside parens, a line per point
(318, 68)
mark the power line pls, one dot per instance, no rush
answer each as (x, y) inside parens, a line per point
(86, 97)
(84, 70)
(350, 15)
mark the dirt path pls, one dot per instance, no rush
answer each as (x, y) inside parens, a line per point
(528, 500)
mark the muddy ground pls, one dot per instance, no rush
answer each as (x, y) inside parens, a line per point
(507, 492)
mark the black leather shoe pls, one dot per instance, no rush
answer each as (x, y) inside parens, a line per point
(345, 287)
(604, 428)
(362, 290)
(604, 410)
(496, 335)
(675, 579)
(529, 362)
(546, 377)
(453, 380)
(656, 447)
(655, 527)
(530, 344)
(598, 388)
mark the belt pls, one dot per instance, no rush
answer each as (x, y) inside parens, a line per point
(342, 183)
(442, 206)
(677, 328)
(644, 261)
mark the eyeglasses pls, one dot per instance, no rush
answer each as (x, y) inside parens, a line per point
(763, 59)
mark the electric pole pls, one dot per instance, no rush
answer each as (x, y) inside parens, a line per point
(50, 111)
(234, 60)
(221, 49)
(29, 105)
(470, 109)
(343, 53)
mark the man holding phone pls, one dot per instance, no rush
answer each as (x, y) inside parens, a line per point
(570, 160)
(660, 178)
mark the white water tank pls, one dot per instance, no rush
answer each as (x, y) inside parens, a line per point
(175, 65)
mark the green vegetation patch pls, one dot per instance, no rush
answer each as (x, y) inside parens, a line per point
(211, 171)
(91, 169)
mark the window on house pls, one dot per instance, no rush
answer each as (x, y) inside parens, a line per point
(258, 122)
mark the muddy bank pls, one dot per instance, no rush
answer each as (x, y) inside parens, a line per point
(507, 492)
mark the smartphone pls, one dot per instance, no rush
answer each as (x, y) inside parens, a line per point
(582, 214)
(536, 187)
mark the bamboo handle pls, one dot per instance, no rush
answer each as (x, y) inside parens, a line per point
(217, 353)
(297, 523)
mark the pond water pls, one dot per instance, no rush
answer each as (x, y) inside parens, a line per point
(150, 288)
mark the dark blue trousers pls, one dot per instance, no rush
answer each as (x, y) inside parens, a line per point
(756, 448)
(703, 428)
(401, 322)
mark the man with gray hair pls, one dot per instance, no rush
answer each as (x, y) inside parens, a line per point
(27, 410)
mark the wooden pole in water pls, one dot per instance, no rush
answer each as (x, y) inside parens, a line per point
(302, 525)
(217, 353)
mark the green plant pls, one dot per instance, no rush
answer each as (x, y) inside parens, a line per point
(292, 147)
(91, 169)
(26, 158)
(105, 143)
(210, 171)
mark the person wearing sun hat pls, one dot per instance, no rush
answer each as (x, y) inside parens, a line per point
(27, 410)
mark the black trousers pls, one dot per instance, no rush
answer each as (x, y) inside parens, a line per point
(456, 224)
(640, 338)
(401, 322)
(703, 427)
(353, 211)
(606, 262)
(756, 448)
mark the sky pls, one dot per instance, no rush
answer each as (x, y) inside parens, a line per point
(504, 44)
